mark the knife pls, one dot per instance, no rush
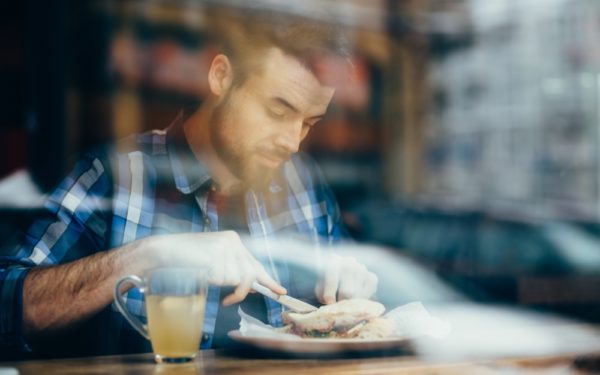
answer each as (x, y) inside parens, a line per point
(287, 301)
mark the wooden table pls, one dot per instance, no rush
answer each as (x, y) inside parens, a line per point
(219, 362)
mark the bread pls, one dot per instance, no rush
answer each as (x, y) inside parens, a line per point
(336, 319)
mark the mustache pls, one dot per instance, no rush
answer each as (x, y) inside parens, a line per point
(275, 154)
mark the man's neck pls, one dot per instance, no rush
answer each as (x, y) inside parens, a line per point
(197, 133)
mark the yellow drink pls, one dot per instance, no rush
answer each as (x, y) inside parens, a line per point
(175, 324)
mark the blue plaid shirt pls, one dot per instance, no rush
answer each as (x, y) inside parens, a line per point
(151, 184)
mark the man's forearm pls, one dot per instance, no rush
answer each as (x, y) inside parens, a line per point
(56, 297)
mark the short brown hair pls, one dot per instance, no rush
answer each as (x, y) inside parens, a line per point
(244, 35)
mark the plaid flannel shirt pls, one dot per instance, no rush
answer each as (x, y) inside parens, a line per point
(151, 184)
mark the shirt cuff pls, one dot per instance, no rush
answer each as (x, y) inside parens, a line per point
(11, 309)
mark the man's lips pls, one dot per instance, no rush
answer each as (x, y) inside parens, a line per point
(270, 160)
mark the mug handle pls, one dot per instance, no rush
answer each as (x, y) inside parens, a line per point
(134, 321)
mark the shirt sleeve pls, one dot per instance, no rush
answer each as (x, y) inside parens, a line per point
(11, 283)
(75, 224)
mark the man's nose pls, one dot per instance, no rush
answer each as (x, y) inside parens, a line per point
(289, 137)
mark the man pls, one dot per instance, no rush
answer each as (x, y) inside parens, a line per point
(183, 196)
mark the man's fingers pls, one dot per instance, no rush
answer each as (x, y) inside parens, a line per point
(331, 283)
(366, 287)
(216, 274)
(245, 286)
(319, 290)
(370, 287)
(347, 278)
(238, 294)
(349, 288)
(266, 280)
(246, 274)
(235, 270)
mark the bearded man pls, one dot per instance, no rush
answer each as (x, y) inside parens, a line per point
(188, 195)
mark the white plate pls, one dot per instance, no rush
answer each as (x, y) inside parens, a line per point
(312, 345)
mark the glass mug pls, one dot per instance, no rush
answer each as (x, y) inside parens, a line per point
(175, 302)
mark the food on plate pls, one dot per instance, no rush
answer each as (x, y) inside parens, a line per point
(344, 319)
(378, 328)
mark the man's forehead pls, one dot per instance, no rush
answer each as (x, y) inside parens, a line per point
(287, 78)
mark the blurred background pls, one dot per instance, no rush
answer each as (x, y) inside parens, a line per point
(468, 138)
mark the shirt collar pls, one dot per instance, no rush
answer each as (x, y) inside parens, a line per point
(188, 172)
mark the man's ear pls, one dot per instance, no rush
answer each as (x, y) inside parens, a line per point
(220, 75)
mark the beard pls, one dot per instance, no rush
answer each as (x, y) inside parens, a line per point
(234, 153)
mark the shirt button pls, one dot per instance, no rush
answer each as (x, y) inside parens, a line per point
(206, 221)
(205, 338)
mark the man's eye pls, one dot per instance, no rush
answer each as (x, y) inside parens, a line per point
(310, 124)
(276, 114)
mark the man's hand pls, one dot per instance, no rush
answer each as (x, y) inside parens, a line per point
(345, 278)
(224, 256)
(87, 284)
